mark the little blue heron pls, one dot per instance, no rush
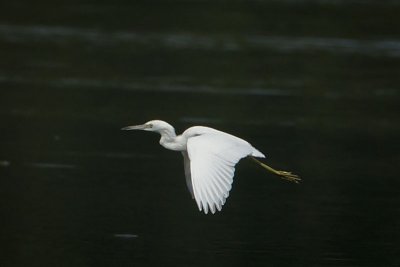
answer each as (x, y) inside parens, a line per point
(209, 158)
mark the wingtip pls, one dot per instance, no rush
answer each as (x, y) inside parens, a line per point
(199, 205)
(205, 208)
(212, 208)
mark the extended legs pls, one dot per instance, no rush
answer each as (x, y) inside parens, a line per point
(283, 174)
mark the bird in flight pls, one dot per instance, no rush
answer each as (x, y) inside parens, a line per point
(209, 158)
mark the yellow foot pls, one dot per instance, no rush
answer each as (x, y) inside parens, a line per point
(288, 176)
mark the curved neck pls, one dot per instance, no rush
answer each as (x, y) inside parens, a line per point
(170, 141)
(168, 134)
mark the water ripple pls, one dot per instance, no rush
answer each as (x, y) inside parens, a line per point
(150, 87)
(46, 165)
(284, 44)
(125, 236)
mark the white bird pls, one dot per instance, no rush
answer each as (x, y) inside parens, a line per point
(209, 157)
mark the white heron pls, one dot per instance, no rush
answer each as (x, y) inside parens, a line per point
(209, 158)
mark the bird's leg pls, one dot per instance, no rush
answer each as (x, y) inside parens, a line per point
(283, 174)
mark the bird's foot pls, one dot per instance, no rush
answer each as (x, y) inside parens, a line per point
(288, 176)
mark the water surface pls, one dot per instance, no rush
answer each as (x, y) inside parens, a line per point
(313, 84)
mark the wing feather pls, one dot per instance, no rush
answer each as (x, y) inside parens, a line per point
(213, 157)
(186, 163)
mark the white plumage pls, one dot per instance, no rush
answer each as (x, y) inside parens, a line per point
(213, 156)
(209, 156)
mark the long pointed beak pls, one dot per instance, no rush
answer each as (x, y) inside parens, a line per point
(135, 127)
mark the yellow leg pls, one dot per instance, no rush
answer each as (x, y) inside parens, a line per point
(283, 174)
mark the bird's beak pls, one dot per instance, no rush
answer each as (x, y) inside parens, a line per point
(136, 127)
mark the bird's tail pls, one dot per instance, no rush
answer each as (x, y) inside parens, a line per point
(283, 174)
(257, 153)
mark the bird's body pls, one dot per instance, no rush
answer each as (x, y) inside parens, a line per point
(209, 156)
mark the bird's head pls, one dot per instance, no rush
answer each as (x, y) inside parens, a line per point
(152, 126)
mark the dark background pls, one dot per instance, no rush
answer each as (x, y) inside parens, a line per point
(312, 84)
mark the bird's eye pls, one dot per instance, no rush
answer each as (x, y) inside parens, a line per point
(150, 125)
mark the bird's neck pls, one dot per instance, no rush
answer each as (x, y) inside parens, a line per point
(168, 134)
(170, 141)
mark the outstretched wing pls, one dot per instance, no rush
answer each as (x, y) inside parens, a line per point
(213, 157)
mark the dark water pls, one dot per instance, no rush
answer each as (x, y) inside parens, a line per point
(313, 84)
